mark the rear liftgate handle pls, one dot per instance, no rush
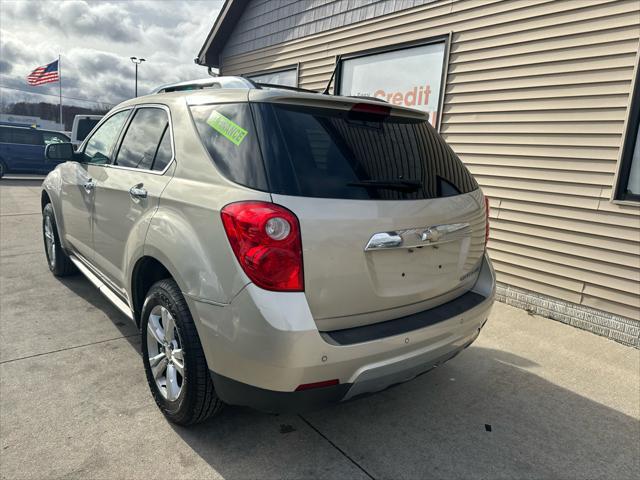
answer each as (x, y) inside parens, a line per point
(417, 237)
(137, 192)
(384, 240)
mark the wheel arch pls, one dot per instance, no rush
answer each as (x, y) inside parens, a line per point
(47, 197)
(146, 271)
(51, 189)
(44, 199)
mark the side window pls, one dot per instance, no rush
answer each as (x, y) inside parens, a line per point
(142, 141)
(54, 137)
(228, 133)
(164, 154)
(25, 137)
(99, 147)
(34, 138)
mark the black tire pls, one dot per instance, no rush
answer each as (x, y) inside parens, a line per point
(3, 169)
(197, 400)
(60, 265)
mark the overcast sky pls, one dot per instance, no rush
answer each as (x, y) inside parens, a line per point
(96, 39)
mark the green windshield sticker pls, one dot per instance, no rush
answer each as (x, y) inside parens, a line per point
(227, 128)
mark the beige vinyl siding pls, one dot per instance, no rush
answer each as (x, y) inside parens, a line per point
(535, 101)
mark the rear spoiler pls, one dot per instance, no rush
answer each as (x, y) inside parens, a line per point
(318, 100)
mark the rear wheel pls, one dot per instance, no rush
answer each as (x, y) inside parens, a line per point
(3, 169)
(59, 262)
(174, 362)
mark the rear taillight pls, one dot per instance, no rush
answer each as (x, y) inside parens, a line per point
(486, 214)
(265, 238)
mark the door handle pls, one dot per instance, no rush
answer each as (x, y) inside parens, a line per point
(137, 191)
(89, 185)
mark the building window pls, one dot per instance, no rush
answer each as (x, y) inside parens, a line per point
(287, 77)
(411, 76)
(629, 177)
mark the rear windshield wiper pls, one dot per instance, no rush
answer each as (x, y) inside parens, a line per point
(403, 185)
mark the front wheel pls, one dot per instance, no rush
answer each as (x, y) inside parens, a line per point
(59, 262)
(174, 362)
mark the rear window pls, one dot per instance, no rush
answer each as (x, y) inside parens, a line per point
(319, 152)
(85, 126)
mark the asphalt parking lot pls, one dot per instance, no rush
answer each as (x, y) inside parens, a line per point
(532, 398)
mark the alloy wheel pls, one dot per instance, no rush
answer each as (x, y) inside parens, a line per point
(166, 356)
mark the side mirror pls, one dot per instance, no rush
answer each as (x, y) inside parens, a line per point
(59, 152)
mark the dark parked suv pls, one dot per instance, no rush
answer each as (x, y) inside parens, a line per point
(22, 149)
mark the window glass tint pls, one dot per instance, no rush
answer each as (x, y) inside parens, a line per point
(164, 154)
(24, 136)
(227, 131)
(141, 141)
(319, 152)
(99, 147)
(54, 137)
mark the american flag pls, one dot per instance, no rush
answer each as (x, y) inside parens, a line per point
(45, 74)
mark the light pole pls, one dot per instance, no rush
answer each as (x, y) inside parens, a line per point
(137, 61)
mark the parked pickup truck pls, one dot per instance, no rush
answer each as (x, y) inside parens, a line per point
(82, 126)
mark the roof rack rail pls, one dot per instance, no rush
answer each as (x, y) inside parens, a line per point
(205, 83)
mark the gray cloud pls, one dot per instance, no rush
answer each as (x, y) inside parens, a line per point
(96, 39)
(110, 21)
(5, 67)
(12, 50)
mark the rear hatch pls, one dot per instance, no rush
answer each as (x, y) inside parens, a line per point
(391, 221)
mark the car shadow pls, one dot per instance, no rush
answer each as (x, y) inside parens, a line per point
(485, 414)
(82, 287)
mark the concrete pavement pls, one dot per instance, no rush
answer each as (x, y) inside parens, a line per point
(532, 398)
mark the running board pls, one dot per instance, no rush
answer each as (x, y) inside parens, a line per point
(102, 287)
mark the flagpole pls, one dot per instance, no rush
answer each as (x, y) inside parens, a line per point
(60, 87)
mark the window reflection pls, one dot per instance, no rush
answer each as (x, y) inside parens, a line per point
(100, 145)
(142, 139)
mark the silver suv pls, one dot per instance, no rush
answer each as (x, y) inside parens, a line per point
(277, 249)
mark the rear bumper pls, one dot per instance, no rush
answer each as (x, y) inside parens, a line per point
(263, 345)
(233, 392)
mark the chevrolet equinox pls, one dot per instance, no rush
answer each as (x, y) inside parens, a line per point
(278, 249)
